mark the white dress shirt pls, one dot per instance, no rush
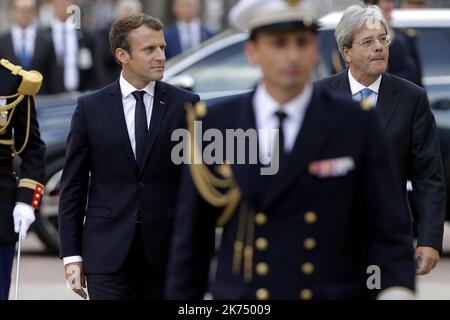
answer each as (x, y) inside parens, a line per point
(17, 34)
(129, 107)
(190, 34)
(67, 52)
(356, 87)
(265, 108)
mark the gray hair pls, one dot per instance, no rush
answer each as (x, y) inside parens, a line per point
(354, 19)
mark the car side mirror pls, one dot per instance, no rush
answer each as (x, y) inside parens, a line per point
(184, 81)
(442, 104)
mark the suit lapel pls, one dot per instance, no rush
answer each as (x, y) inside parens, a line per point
(160, 104)
(118, 118)
(387, 101)
(313, 134)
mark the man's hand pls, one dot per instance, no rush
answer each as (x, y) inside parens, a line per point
(23, 216)
(426, 258)
(75, 278)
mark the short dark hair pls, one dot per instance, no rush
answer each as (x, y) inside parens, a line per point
(118, 35)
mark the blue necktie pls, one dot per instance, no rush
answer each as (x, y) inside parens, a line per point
(140, 125)
(24, 57)
(365, 93)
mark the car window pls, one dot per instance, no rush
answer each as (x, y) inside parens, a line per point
(224, 70)
(434, 50)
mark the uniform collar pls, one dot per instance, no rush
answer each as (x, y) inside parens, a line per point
(266, 106)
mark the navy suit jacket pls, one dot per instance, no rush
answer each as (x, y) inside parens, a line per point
(98, 146)
(408, 124)
(361, 219)
(173, 41)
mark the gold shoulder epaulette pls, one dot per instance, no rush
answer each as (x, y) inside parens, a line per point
(31, 80)
(28, 88)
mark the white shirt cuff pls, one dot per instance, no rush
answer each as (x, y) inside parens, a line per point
(396, 293)
(72, 259)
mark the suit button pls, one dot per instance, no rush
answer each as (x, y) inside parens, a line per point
(310, 243)
(261, 219)
(262, 269)
(310, 217)
(308, 268)
(141, 184)
(262, 294)
(306, 294)
(261, 244)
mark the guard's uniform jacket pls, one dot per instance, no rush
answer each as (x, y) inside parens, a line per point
(19, 132)
(309, 232)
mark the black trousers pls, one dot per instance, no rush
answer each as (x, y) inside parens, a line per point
(133, 280)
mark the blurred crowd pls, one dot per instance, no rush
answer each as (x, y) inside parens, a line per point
(67, 40)
(72, 49)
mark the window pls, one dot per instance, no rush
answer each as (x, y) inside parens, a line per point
(225, 70)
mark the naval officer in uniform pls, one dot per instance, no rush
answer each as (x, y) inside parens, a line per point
(330, 223)
(20, 195)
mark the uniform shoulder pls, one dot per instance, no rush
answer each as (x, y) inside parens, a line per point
(225, 111)
(327, 81)
(230, 104)
(341, 104)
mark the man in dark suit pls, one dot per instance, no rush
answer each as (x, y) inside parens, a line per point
(19, 134)
(120, 138)
(28, 46)
(331, 211)
(75, 51)
(188, 31)
(406, 120)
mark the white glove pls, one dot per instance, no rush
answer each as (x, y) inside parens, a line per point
(23, 215)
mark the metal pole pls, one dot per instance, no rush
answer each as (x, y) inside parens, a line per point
(18, 267)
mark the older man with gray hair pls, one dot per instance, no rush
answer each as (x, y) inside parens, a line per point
(403, 109)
